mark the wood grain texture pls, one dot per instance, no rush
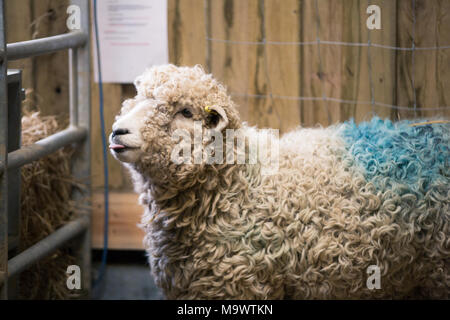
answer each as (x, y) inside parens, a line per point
(124, 216)
(282, 23)
(383, 60)
(404, 86)
(432, 67)
(19, 15)
(430, 70)
(112, 95)
(186, 29)
(239, 66)
(51, 71)
(320, 76)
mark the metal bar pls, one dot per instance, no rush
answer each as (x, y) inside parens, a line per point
(46, 246)
(14, 130)
(44, 147)
(81, 165)
(73, 86)
(14, 178)
(3, 159)
(30, 48)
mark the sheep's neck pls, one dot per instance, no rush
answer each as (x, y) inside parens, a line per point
(200, 204)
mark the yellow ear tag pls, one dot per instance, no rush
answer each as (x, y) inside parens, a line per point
(209, 110)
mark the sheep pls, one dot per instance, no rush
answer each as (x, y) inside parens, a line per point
(347, 203)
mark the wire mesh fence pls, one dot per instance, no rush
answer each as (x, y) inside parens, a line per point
(314, 31)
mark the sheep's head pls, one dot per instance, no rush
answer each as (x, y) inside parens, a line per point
(168, 99)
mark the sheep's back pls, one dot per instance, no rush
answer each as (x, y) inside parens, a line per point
(376, 193)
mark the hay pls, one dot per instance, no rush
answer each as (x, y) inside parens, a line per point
(46, 205)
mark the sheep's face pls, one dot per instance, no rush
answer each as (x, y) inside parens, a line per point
(126, 140)
(169, 99)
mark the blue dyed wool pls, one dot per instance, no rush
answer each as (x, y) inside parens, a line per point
(410, 170)
(398, 154)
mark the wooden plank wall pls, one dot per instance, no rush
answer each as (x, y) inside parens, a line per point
(431, 73)
(336, 71)
(260, 75)
(44, 77)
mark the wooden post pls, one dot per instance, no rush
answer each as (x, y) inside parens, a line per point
(50, 71)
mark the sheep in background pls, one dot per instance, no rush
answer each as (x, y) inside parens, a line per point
(345, 199)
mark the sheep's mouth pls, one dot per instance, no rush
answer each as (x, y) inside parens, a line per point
(119, 148)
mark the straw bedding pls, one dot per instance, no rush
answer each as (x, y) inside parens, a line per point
(45, 206)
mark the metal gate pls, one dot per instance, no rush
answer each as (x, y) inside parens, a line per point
(77, 42)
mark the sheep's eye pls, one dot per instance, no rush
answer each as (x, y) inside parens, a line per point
(186, 113)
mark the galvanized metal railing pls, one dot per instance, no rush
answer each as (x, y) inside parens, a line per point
(77, 42)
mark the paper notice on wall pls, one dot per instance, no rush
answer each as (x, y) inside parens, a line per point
(133, 37)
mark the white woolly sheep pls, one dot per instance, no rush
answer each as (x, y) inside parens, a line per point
(346, 201)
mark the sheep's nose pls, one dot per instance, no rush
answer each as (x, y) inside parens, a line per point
(118, 132)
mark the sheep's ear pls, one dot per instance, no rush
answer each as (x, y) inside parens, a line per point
(216, 117)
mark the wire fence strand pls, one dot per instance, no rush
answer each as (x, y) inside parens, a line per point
(328, 42)
(331, 99)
